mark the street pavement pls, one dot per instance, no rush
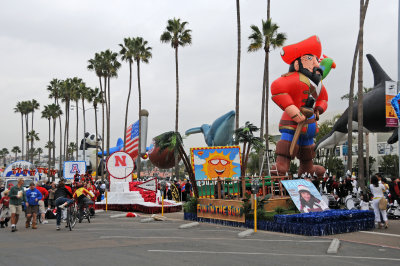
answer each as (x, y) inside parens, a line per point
(127, 241)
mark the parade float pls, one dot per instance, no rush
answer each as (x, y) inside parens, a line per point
(124, 193)
(275, 203)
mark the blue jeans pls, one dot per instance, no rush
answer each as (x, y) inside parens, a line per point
(61, 201)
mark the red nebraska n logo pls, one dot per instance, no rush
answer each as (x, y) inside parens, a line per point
(119, 161)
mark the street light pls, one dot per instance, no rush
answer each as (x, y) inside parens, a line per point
(84, 131)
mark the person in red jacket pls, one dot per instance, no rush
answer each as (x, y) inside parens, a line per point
(42, 209)
(290, 92)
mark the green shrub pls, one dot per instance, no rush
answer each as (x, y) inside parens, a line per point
(279, 210)
(191, 205)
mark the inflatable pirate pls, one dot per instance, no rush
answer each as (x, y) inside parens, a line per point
(302, 96)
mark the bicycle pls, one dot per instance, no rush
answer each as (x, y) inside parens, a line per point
(85, 214)
(72, 215)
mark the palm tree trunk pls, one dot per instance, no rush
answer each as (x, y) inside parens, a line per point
(22, 135)
(266, 84)
(127, 104)
(268, 9)
(97, 150)
(176, 109)
(15, 157)
(102, 129)
(238, 63)
(60, 162)
(48, 163)
(26, 137)
(84, 129)
(65, 132)
(140, 122)
(54, 147)
(33, 112)
(77, 129)
(260, 154)
(363, 9)
(109, 116)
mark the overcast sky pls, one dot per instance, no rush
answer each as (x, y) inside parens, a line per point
(42, 40)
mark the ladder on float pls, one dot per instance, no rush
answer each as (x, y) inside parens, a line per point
(267, 162)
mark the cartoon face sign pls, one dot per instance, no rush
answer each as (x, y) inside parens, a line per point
(218, 165)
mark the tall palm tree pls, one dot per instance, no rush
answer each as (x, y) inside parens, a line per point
(97, 64)
(268, 38)
(141, 53)
(177, 35)
(3, 154)
(32, 137)
(351, 92)
(55, 91)
(19, 109)
(39, 151)
(86, 95)
(34, 106)
(46, 115)
(97, 97)
(363, 11)
(55, 112)
(77, 87)
(238, 63)
(26, 109)
(16, 150)
(67, 88)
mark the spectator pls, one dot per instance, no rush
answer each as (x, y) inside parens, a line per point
(45, 194)
(5, 209)
(33, 197)
(188, 189)
(52, 190)
(17, 195)
(377, 190)
(61, 200)
(394, 189)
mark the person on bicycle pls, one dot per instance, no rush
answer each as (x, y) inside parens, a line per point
(61, 200)
(81, 196)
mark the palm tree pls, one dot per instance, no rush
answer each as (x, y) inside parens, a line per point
(238, 63)
(26, 109)
(32, 137)
(86, 94)
(110, 65)
(19, 109)
(97, 97)
(177, 35)
(67, 87)
(363, 11)
(246, 136)
(16, 150)
(55, 112)
(34, 106)
(97, 65)
(141, 53)
(55, 91)
(46, 115)
(172, 141)
(3, 154)
(39, 151)
(267, 38)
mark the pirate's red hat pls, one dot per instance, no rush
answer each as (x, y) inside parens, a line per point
(311, 45)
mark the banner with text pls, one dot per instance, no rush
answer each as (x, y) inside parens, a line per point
(228, 210)
(391, 92)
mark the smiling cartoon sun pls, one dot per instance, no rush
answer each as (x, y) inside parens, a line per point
(218, 165)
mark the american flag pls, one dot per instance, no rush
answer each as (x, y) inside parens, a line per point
(132, 139)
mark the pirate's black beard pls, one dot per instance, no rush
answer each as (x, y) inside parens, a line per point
(314, 76)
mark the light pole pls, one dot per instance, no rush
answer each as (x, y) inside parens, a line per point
(84, 131)
(255, 186)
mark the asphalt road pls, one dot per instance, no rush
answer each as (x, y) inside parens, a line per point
(126, 241)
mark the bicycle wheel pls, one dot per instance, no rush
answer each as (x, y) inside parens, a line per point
(88, 214)
(69, 218)
(73, 217)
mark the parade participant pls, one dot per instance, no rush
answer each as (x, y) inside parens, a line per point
(52, 190)
(77, 177)
(33, 197)
(61, 196)
(5, 209)
(309, 203)
(292, 92)
(377, 190)
(42, 209)
(82, 195)
(17, 195)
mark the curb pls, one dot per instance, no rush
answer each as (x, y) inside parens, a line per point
(246, 233)
(334, 246)
(189, 225)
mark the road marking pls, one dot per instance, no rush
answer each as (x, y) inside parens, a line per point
(269, 254)
(334, 246)
(213, 238)
(376, 233)
(149, 229)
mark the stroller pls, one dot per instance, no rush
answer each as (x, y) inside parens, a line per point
(393, 210)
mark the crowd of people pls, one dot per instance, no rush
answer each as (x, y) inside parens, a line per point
(43, 198)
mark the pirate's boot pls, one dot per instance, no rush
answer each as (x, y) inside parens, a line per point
(283, 156)
(306, 155)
